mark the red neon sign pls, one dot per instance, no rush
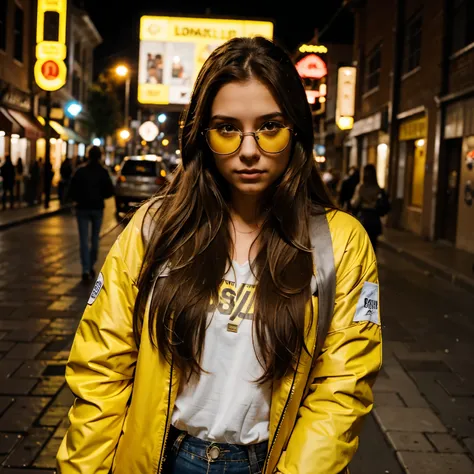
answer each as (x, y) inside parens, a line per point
(311, 67)
(50, 70)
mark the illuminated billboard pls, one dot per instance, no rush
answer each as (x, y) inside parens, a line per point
(51, 51)
(173, 50)
(345, 101)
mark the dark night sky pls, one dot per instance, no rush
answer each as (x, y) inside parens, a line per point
(295, 21)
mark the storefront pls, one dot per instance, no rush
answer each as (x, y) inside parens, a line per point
(64, 142)
(455, 217)
(413, 137)
(19, 130)
(372, 144)
(8, 128)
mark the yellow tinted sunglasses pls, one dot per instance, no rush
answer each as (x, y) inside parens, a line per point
(227, 142)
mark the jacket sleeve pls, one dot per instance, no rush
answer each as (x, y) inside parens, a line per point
(101, 365)
(325, 437)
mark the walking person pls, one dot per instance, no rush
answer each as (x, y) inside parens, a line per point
(370, 203)
(348, 187)
(217, 305)
(8, 175)
(19, 179)
(90, 186)
(66, 171)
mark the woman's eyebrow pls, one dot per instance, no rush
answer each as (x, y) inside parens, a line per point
(269, 116)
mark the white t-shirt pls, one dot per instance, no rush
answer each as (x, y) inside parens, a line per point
(226, 405)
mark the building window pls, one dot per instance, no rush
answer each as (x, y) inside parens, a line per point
(463, 18)
(18, 34)
(413, 43)
(374, 61)
(3, 25)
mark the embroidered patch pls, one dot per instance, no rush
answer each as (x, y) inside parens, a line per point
(96, 290)
(368, 305)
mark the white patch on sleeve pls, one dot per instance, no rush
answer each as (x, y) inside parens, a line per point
(97, 288)
(368, 305)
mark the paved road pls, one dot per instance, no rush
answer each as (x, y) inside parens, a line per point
(424, 397)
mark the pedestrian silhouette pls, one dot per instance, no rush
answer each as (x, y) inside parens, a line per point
(8, 175)
(66, 171)
(90, 186)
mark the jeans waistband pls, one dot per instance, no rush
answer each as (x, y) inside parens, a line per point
(214, 452)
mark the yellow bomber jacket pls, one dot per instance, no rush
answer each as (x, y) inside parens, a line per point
(125, 397)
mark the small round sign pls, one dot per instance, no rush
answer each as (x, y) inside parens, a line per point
(50, 70)
(148, 131)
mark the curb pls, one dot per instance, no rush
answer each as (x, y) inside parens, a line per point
(24, 220)
(446, 273)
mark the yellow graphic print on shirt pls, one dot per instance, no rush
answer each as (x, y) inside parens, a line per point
(236, 302)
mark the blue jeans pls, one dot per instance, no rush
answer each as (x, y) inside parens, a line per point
(89, 254)
(188, 455)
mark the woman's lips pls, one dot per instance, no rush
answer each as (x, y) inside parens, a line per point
(250, 174)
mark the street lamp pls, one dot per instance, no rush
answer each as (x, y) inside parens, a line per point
(124, 134)
(123, 71)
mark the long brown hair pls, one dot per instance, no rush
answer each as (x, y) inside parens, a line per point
(191, 227)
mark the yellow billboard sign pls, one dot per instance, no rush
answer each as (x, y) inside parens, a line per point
(51, 51)
(173, 50)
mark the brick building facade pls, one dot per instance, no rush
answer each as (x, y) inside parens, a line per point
(415, 111)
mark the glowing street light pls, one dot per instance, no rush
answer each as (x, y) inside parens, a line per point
(165, 142)
(124, 134)
(162, 118)
(121, 70)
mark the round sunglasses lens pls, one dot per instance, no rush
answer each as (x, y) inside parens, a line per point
(274, 141)
(223, 143)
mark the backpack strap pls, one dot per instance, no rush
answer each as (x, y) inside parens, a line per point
(323, 258)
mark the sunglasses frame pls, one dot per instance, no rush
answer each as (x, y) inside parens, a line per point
(206, 131)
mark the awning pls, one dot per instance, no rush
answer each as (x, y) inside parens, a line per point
(66, 133)
(56, 130)
(8, 124)
(33, 129)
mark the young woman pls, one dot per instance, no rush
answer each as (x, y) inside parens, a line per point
(366, 201)
(197, 352)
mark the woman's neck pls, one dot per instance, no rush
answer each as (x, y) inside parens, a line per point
(246, 209)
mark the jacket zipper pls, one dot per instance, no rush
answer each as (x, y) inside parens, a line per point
(280, 421)
(167, 429)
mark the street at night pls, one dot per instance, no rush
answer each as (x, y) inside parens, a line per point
(237, 237)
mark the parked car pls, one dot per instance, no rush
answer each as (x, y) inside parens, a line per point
(138, 179)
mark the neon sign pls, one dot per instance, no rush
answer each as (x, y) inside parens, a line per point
(311, 67)
(313, 48)
(51, 51)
